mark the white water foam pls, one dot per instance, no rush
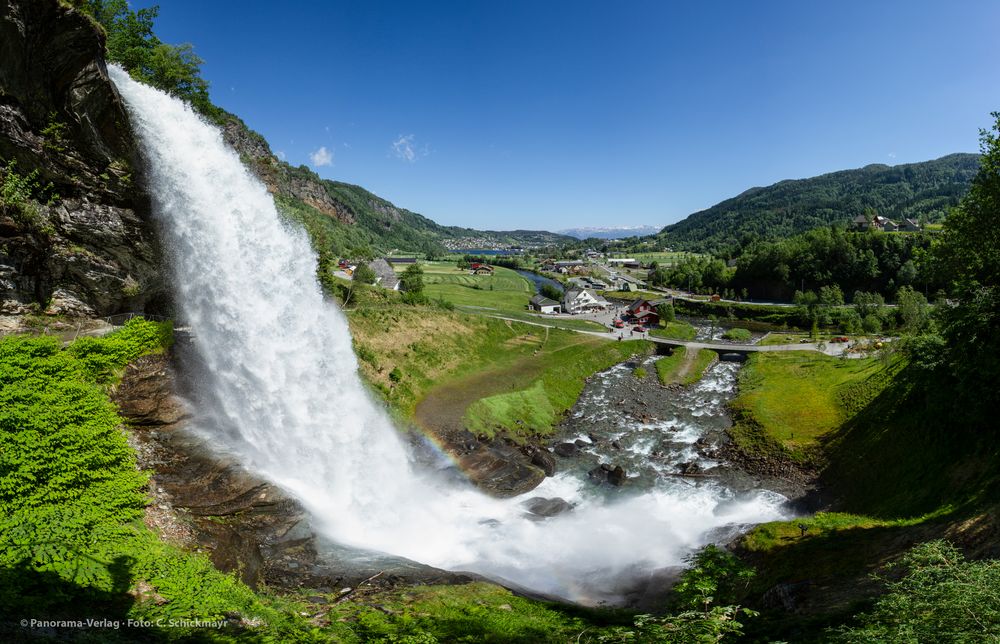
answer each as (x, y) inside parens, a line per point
(282, 374)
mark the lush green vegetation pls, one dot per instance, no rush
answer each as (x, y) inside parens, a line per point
(683, 366)
(918, 191)
(674, 331)
(738, 334)
(19, 194)
(788, 400)
(475, 612)
(535, 318)
(940, 597)
(823, 258)
(132, 44)
(534, 409)
(72, 541)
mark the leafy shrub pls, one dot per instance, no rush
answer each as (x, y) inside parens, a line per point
(941, 598)
(738, 334)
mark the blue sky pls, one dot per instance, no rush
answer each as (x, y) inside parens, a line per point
(547, 115)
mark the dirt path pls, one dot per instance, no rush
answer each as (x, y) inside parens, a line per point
(686, 364)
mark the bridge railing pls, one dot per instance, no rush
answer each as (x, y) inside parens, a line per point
(119, 319)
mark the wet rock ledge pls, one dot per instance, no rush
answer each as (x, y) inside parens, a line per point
(209, 503)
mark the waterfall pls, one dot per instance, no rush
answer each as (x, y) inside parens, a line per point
(281, 372)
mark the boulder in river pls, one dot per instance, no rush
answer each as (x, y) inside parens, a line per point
(542, 507)
(543, 459)
(566, 449)
(607, 473)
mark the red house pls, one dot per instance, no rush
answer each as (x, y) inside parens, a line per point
(644, 311)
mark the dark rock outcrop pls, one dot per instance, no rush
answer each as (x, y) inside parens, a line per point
(203, 501)
(544, 508)
(86, 247)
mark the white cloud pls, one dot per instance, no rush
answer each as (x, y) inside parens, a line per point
(892, 155)
(321, 157)
(404, 148)
(280, 154)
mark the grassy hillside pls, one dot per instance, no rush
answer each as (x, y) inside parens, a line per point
(887, 461)
(545, 385)
(794, 206)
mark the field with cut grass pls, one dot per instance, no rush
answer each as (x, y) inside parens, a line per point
(504, 290)
(790, 400)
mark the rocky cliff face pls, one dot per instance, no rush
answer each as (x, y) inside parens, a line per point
(89, 248)
(278, 176)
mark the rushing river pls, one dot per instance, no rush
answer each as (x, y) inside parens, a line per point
(281, 392)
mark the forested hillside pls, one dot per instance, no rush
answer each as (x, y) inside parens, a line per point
(917, 190)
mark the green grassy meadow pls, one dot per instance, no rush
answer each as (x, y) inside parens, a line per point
(792, 398)
(505, 290)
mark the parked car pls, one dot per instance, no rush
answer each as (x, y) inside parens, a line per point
(840, 339)
(619, 324)
(639, 328)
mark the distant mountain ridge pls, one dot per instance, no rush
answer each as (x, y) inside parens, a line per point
(927, 189)
(609, 232)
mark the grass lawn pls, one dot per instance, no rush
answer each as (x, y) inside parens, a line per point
(680, 367)
(545, 385)
(794, 398)
(675, 331)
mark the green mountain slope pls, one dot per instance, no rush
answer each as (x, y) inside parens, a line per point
(793, 206)
(347, 219)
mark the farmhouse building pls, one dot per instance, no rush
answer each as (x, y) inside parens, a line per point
(384, 275)
(583, 300)
(644, 311)
(543, 304)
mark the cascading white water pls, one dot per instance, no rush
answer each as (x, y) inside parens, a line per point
(281, 370)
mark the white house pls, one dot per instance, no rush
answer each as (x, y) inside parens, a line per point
(583, 300)
(543, 304)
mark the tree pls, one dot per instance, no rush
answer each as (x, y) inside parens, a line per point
(364, 275)
(412, 280)
(666, 312)
(968, 249)
(132, 44)
(550, 291)
(868, 304)
(913, 309)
